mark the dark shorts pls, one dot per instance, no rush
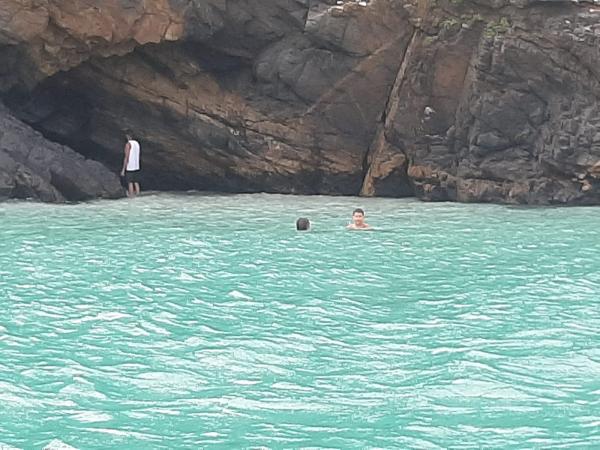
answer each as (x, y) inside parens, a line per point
(132, 176)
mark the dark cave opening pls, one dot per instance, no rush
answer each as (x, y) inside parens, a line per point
(90, 108)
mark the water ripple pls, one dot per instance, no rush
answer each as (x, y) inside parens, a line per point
(187, 321)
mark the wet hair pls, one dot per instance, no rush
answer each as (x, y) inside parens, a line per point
(302, 224)
(358, 210)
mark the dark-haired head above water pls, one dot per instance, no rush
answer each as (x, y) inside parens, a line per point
(302, 224)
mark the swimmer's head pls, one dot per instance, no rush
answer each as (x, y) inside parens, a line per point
(358, 216)
(302, 224)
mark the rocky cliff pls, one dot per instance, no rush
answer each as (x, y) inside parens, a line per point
(467, 100)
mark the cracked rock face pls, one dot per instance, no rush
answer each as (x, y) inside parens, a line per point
(498, 108)
(443, 100)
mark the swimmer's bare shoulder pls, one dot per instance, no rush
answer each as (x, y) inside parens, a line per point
(365, 227)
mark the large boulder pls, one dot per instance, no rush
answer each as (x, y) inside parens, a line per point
(33, 167)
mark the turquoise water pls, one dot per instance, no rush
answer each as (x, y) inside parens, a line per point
(207, 322)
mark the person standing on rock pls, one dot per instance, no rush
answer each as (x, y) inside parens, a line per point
(131, 166)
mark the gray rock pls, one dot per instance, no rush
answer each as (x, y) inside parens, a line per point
(33, 167)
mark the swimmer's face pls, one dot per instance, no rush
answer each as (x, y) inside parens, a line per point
(358, 218)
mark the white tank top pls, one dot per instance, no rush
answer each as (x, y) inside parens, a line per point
(133, 163)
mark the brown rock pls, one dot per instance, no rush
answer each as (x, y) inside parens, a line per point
(466, 101)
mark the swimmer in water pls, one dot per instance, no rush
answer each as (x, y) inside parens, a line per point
(358, 221)
(302, 224)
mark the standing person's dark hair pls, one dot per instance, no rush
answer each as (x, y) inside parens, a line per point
(302, 224)
(131, 166)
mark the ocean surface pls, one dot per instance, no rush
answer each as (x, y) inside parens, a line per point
(198, 321)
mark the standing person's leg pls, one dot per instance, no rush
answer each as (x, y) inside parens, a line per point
(131, 190)
(137, 187)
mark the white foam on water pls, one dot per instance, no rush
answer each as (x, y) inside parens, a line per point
(245, 382)
(185, 277)
(116, 432)
(92, 417)
(110, 316)
(212, 434)
(4, 446)
(240, 295)
(57, 444)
